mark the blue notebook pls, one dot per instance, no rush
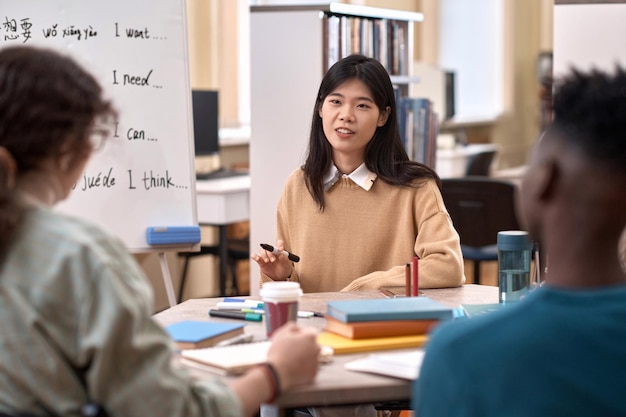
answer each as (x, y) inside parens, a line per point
(190, 334)
(379, 309)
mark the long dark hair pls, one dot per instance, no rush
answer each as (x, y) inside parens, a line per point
(49, 106)
(385, 154)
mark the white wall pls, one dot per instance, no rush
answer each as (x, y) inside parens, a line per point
(471, 45)
(589, 35)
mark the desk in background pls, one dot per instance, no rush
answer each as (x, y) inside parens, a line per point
(221, 202)
(452, 163)
(334, 384)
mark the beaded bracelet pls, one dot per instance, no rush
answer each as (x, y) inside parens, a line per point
(270, 371)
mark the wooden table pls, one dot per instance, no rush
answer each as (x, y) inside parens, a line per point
(334, 384)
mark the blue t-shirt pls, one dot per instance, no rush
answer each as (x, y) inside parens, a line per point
(556, 353)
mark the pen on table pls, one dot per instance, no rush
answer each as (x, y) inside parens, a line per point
(242, 338)
(270, 248)
(407, 280)
(229, 314)
(253, 310)
(309, 314)
(388, 294)
(239, 300)
(415, 278)
(537, 265)
(238, 306)
(301, 314)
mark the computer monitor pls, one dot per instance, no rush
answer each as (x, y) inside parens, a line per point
(205, 122)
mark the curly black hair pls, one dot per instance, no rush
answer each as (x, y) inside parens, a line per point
(590, 111)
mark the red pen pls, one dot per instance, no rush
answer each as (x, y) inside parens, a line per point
(415, 276)
(407, 283)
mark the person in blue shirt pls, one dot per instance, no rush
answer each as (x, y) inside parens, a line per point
(560, 351)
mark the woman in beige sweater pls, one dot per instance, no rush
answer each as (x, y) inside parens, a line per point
(359, 209)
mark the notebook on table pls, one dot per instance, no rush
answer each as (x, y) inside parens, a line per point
(405, 364)
(378, 309)
(193, 334)
(235, 359)
(341, 345)
(229, 360)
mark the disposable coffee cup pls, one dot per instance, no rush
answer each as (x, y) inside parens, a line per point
(280, 302)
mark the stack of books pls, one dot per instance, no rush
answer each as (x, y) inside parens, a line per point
(381, 324)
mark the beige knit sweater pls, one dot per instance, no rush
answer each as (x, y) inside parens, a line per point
(364, 239)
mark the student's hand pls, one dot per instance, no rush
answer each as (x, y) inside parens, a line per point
(294, 354)
(277, 267)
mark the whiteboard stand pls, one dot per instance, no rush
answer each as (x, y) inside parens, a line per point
(171, 235)
(167, 279)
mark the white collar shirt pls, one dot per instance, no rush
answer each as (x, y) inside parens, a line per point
(361, 176)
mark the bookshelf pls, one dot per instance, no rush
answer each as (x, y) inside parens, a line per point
(291, 48)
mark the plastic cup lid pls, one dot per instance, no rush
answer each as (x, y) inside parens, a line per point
(281, 291)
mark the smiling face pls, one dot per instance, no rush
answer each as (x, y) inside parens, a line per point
(350, 118)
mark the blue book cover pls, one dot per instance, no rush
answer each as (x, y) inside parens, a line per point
(380, 309)
(190, 334)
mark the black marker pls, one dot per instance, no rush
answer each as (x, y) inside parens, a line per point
(275, 251)
(235, 315)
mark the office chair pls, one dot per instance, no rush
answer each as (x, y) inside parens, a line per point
(394, 406)
(480, 163)
(480, 207)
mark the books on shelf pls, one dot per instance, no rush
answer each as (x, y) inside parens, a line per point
(397, 50)
(191, 334)
(419, 127)
(378, 309)
(382, 39)
(381, 50)
(342, 345)
(367, 37)
(355, 34)
(385, 328)
(344, 37)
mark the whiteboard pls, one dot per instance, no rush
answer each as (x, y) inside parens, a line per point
(144, 175)
(589, 36)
